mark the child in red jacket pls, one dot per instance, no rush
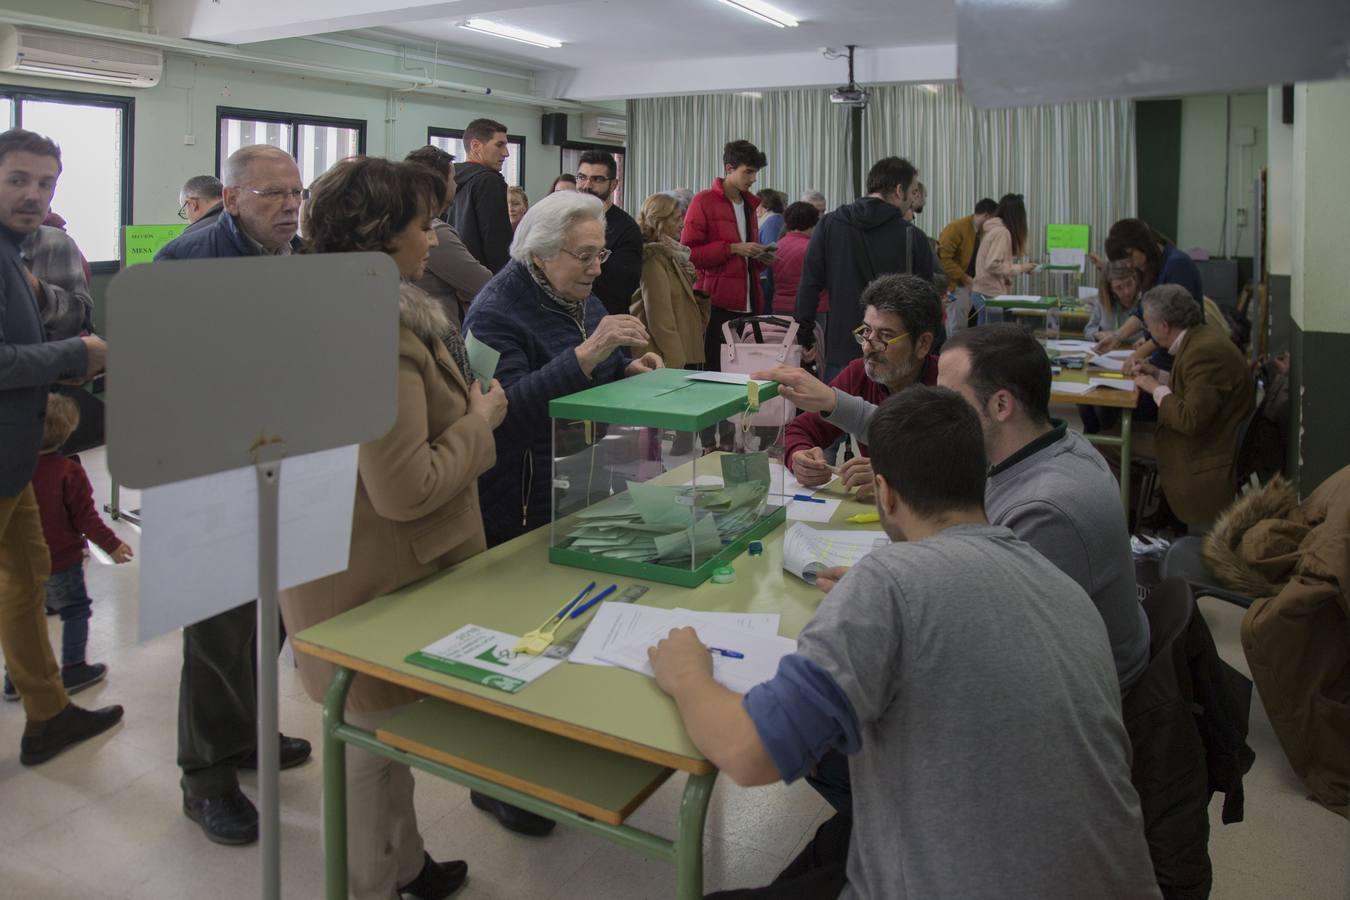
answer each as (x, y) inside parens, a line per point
(66, 502)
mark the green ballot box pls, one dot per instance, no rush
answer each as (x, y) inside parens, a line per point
(633, 493)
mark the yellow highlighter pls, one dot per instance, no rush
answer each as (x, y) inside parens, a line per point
(864, 518)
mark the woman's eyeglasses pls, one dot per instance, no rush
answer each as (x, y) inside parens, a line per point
(586, 257)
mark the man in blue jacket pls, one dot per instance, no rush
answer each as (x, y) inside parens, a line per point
(29, 364)
(217, 694)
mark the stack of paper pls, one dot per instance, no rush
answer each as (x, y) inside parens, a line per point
(1116, 384)
(621, 634)
(1070, 387)
(807, 550)
(1068, 258)
(1070, 346)
(676, 524)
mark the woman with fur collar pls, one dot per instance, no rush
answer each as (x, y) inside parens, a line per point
(416, 501)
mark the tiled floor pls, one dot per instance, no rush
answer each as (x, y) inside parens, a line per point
(104, 820)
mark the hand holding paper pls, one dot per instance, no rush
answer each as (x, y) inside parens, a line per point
(678, 656)
(482, 360)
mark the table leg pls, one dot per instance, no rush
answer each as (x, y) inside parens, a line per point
(335, 786)
(689, 844)
(1126, 417)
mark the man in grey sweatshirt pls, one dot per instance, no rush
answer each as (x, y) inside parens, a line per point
(1046, 484)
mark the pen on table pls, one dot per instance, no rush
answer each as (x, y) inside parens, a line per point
(594, 600)
(562, 613)
(729, 654)
(863, 518)
(807, 499)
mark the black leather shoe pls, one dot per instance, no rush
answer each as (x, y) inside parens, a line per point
(294, 751)
(230, 819)
(66, 729)
(436, 881)
(513, 818)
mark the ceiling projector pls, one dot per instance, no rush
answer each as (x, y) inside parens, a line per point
(849, 95)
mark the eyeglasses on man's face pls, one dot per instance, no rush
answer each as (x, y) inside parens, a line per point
(276, 195)
(867, 338)
(182, 210)
(586, 257)
(593, 179)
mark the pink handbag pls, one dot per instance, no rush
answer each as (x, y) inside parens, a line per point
(764, 342)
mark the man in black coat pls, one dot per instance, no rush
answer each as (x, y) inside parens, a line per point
(850, 248)
(479, 213)
(598, 175)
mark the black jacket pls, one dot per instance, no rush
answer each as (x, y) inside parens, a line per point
(208, 218)
(620, 274)
(479, 214)
(850, 247)
(1187, 721)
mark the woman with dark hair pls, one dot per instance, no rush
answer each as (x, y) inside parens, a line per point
(564, 182)
(1158, 261)
(800, 220)
(416, 507)
(1003, 238)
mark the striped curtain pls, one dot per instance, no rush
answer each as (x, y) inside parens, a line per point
(677, 142)
(1073, 163)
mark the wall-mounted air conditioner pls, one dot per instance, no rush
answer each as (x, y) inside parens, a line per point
(603, 126)
(43, 53)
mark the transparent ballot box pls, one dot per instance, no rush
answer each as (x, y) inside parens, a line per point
(633, 493)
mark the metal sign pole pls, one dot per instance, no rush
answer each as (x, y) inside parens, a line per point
(269, 457)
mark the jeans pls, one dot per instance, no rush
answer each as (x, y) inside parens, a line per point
(67, 596)
(977, 308)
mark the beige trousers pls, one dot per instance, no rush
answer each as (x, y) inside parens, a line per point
(384, 847)
(24, 567)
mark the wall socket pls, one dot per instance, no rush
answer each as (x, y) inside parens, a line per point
(1242, 218)
(189, 140)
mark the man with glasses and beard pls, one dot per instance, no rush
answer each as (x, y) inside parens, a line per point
(901, 321)
(597, 175)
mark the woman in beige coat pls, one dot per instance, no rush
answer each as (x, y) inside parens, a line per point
(416, 502)
(1003, 238)
(675, 316)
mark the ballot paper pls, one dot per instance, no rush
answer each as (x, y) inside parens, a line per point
(807, 550)
(755, 662)
(622, 624)
(1073, 257)
(725, 378)
(1115, 384)
(199, 537)
(1070, 387)
(1107, 362)
(1019, 298)
(1070, 346)
(484, 657)
(482, 360)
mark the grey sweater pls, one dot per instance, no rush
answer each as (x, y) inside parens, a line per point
(1062, 500)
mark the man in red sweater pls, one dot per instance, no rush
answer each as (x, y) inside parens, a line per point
(902, 319)
(722, 234)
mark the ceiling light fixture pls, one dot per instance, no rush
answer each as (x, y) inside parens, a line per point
(764, 12)
(510, 33)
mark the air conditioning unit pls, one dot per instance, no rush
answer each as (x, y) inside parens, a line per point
(43, 53)
(605, 127)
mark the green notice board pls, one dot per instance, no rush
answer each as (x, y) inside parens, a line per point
(140, 243)
(1066, 237)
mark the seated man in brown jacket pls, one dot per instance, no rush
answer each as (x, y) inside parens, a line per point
(1202, 404)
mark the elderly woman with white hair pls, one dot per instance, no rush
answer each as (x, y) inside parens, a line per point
(555, 339)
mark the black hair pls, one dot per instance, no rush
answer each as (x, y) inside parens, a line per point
(915, 300)
(600, 158)
(566, 177)
(1136, 234)
(772, 201)
(986, 207)
(889, 174)
(928, 445)
(800, 216)
(743, 153)
(17, 140)
(434, 158)
(1006, 357)
(482, 130)
(1012, 211)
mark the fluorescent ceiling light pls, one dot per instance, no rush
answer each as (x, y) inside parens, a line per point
(483, 26)
(764, 12)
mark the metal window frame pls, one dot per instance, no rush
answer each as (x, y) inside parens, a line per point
(80, 98)
(293, 120)
(435, 131)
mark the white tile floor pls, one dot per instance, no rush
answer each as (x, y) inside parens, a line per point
(104, 820)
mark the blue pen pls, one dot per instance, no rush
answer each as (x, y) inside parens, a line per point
(594, 600)
(806, 499)
(729, 654)
(562, 613)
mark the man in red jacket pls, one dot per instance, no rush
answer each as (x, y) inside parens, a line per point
(723, 240)
(901, 320)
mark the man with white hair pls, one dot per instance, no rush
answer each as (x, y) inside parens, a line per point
(200, 201)
(217, 693)
(816, 199)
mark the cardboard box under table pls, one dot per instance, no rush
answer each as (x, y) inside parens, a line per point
(634, 496)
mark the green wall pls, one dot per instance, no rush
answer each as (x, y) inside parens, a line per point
(1200, 195)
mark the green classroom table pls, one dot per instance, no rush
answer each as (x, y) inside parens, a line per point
(587, 744)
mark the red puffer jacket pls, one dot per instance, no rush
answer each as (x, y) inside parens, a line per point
(709, 231)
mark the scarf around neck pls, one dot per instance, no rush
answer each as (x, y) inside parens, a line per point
(575, 308)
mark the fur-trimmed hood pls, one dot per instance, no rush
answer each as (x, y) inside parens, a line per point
(419, 312)
(1254, 544)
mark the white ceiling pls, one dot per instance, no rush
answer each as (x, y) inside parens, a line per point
(627, 48)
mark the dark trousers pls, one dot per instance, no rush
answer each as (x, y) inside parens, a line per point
(832, 781)
(818, 873)
(218, 700)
